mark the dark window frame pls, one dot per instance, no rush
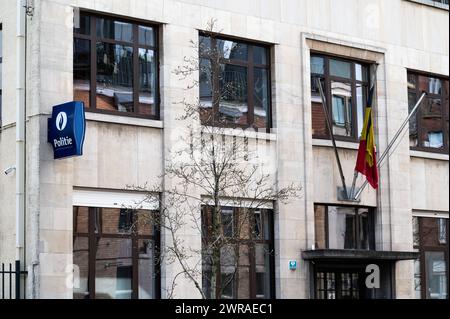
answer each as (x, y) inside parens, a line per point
(93, 237)
(431, 248)
(445, 111)
(93, 39)
(328, 78)
(251, 244)
(337, 272)
(250, 65)
(371, 211)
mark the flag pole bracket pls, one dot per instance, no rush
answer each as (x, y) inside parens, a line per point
(342, 195)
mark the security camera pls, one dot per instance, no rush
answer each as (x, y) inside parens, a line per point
(9, 170)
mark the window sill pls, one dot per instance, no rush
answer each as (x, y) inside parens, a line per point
(125, 120)
(339, 144)
(249, 133)
(429, 155)
(430, 3)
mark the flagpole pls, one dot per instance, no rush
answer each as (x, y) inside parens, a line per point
(352, 190)
(394, 139)
(330, 130)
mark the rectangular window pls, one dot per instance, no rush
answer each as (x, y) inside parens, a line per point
(243, 258)
(114, 253)
(428, 128)
(431, 269)
(234, 83)
(344, 227)
(116, 66)
(345, 84)
(436, 272)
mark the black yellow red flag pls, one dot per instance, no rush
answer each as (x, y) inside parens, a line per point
(366, 162)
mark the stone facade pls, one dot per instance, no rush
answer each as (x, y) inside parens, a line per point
(398, 35)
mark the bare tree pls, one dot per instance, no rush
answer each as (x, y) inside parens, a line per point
(226, 170)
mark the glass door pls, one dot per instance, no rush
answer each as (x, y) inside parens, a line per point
(338, 284)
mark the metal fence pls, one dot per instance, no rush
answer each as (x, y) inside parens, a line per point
(11, 281)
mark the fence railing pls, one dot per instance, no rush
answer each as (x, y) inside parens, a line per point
(10, 281)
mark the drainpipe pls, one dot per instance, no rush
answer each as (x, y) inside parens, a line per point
(20, 129)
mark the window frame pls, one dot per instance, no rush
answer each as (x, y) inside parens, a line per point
(93, 236)
(251, 243)
(440, 247)
(328, 78)
(371, 211)
(445, 111)
(249, 65)
(93, 38)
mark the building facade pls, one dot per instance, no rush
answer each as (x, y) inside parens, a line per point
(120, 58)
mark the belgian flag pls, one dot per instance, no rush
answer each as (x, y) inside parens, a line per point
(366, 162)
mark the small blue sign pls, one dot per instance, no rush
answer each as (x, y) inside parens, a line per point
(66, 129)
(292, 264)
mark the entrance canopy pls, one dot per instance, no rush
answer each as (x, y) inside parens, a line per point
(357, 255)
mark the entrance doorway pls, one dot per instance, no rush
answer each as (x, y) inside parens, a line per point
(339, 280)
(338, 284)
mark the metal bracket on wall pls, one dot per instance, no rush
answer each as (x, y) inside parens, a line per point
(29, 8)
(342, 195)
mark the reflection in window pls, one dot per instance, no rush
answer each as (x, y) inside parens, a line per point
(233, 86)
(234, 83)
(146, 35)
(430, 273)
(147, 81)
(227, 286)
(82, 70)
(417, 279)
(125, 221)
(261, 96)
(246, 256)
(361, 101)
(81, 267)
(205, 83)
(114, 30)
(260, 55)
(317, 65)
(227, 222)
(345, 84)
(341, 103)
(325, 285)
(340, 69)
(416, 232)
(121, 269)
(232, 50)
(341, 225)
(344, 227)
(114, 77)
(435, 265)
(428, 127)
(82, 25)
(442, 231)
(126, 69)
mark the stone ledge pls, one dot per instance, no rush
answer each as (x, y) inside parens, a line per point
(245, 133)
(429, 155)
(339, 144)
(126, 120)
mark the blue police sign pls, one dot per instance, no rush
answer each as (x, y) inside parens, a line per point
(66, 129)
(292, 264)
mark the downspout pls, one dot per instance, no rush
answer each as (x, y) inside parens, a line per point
(20, 129)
